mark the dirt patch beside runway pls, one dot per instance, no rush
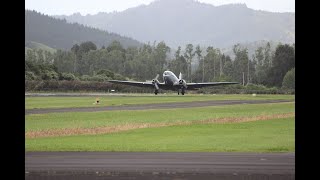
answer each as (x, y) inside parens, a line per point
(125, 127)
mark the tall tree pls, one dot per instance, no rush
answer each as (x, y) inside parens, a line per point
(189, 54)
(212, 60)
(31, 55)
(283, 61)
(198, 52)
(261, 67)
(160, 55)
(179, 64)
(177, 53)
(64, 61)
(77, 56)
(241, 64)
(289, 79)
(87, 46)
(267, 56)
(40, 56)
(228, 67)
(115, 45)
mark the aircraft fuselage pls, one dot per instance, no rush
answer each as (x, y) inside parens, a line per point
(170, 78)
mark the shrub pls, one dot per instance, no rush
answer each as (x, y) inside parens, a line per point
(85, 78)
(68, 77)
(289, 80)
(99, 78)
(49, 75)
(30, 76)
(105, 72)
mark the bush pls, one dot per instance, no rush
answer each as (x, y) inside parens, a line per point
(119, 77)
(105, 72)
(68, 77)
(289, 80)
(99, 78)
(85, 78)
(30, 76)
(49, 75)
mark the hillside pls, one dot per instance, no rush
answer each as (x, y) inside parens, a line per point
(179, 22)
(59, 34)
(35, 45)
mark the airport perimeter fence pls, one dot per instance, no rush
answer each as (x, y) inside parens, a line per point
(95, 86)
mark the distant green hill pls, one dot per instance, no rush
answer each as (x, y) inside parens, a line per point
(59, 34)
(35, 45)
(179, 22)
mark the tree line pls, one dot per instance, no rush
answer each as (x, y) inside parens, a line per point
(86, 62)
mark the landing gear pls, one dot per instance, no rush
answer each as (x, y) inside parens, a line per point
(156, 91)
(182, 91)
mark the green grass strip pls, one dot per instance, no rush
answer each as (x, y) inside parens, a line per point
(260, 136)
(63, 102)
(36, 122)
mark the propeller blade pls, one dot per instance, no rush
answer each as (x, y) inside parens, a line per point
(156, 76)
(156, 86)
(180, 76)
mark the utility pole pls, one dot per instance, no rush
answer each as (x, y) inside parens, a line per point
(248, 71)
(190, 72)
(74, 65)
(214, 69)
(202, 69)
(220, 66)
(243, 78)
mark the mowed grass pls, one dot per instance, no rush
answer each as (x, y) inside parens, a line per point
(260, 136)
(64, 102)
(37, 122)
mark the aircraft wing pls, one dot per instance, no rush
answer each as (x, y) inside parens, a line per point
(200, 85)
(136, 83)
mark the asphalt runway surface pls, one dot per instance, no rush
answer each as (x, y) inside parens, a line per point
(155, 165)
(152, 106)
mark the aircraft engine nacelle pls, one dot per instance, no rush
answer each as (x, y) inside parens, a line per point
(155, 82)
(183, 83)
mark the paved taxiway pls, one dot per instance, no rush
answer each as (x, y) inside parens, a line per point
(152, 106)
(167, 164)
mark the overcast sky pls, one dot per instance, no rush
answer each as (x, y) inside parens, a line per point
(67, 7)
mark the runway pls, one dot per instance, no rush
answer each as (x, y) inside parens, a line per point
(155, 165)
(152, 106)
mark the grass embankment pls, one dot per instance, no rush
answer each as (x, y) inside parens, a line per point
(64, 102)
(219, 128)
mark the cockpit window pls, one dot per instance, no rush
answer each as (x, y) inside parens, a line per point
(166, 73)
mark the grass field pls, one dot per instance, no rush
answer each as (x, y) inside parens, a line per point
(36, 122)
(217, 128)
(259, 136)
(63, 102)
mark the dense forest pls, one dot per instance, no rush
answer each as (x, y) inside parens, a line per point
(85, 62)
(59, 34)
